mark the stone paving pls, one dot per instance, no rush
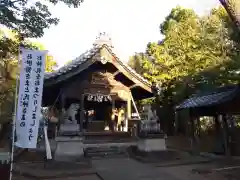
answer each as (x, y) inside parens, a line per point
(128, 169)
(123, 168)
(87, 177)
(102, 169)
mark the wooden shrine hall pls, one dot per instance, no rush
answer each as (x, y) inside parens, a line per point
(97, 82)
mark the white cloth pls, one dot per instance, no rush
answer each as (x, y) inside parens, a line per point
(47, 144)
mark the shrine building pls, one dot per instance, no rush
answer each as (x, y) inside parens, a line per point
(99, 82)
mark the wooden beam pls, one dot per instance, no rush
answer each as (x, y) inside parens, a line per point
(130, 76)
(116, 73)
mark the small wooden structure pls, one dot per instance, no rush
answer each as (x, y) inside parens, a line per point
(222, 104)
(99, 82)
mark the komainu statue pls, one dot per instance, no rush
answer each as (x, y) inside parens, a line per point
(70, 114)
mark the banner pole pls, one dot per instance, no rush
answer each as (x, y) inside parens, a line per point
(14, 119)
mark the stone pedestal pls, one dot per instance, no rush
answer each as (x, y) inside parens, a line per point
(69, 129)
(151, 144)
(68, 148)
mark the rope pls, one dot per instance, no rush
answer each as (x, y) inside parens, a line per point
(46, 119)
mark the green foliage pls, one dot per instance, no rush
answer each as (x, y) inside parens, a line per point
(201, 55)
(197, 53)
(30, 18)
(9, 68)
(9, 49)
(177, 15)
(136, 62)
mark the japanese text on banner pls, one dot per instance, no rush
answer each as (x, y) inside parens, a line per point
(30, 97)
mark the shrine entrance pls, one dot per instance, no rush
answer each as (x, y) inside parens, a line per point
(101, 113)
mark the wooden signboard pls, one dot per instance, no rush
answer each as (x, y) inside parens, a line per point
(99, 79)
(98, 98)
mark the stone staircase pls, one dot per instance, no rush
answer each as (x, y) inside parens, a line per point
(105, 152)
(107, 144)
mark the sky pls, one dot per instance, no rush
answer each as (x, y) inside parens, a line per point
(130, 23)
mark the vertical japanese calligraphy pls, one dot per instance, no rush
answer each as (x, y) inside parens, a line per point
(30, 97)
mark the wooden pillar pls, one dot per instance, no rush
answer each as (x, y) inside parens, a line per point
(193, 132)
(197, 134)
(113, 103)
(176, 122)
(61, 118)
(129, 112)
(81, 113)
(225, 131)
(112, 125)
(219, 135)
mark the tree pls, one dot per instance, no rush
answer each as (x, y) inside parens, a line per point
(50, 64)
(200, 57)
(136, 62)
(9, 68)
(30, 18)
(9, 49)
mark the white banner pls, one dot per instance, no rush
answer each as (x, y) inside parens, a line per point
(29, 97)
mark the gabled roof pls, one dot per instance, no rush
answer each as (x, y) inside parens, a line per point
(218, 96)
(85, 60)
(73, 64)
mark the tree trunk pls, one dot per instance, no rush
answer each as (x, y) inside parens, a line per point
(233, 9)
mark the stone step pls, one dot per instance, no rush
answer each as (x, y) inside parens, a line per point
(105, 154)
(111, 156)
(92, 152)
(104, 151)
(106, 135)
